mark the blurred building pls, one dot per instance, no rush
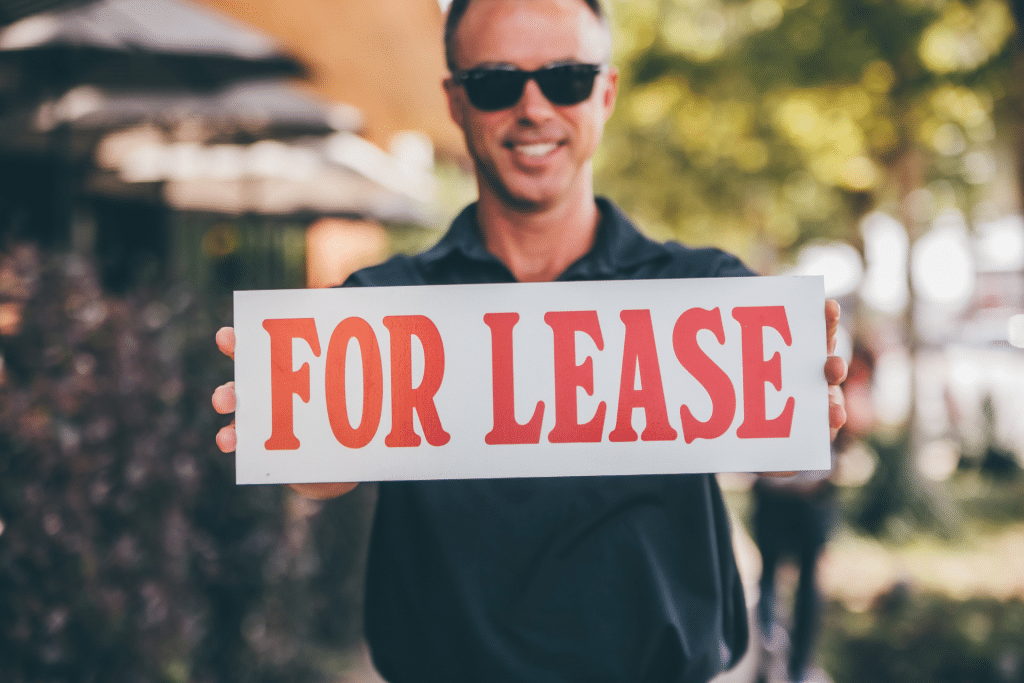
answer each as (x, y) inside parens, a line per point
(154, 130)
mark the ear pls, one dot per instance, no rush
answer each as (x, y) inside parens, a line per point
(454, 95)
(610, 91)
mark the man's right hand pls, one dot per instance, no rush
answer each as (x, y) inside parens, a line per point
(224, 403)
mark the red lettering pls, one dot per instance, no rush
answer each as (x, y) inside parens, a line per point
(711, 377)
(404, 397)
(757, 371)
(506, 430)
(284, 381)
(373, 383)
(569, 375)
(639, 351)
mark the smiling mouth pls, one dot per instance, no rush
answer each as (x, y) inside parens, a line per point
(535, 150)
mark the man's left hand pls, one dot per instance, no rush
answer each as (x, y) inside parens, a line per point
(835, 370)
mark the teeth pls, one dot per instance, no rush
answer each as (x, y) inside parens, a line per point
(536, 150)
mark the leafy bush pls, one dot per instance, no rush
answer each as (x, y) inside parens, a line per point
(126, 551)
(925, 638)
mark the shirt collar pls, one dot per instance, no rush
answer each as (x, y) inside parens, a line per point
(463, 237)
(618, 245)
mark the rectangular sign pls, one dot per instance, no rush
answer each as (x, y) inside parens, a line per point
(531, 380)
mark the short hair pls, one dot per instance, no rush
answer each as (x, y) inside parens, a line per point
(458, 8)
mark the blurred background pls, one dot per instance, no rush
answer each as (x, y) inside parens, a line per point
(156, 155)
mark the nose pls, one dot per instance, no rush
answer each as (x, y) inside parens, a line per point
(533, 106)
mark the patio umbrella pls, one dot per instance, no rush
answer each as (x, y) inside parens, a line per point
(265, 150)
(340, 174)
(263, 108)
(134, 44)
(127, 45)
(13, 10)
(267, 188)
(249, 110)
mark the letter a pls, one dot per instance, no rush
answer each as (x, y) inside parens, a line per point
(639, 351)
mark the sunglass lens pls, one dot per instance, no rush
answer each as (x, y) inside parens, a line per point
(568, 84)
(494, 89)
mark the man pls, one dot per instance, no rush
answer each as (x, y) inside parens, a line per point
(565, 579)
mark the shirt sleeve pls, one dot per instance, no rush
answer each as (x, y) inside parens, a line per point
(727, 265)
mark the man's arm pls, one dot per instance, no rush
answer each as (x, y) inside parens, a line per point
(224, 403)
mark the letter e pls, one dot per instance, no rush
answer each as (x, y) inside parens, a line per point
(757, 371)
(569, 376)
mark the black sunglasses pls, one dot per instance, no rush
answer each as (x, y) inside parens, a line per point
(493, 89)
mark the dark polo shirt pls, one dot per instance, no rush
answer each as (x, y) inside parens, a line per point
(617, 579)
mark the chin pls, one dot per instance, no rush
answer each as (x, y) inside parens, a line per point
(529, 202)
(524, 192)
(535, 196)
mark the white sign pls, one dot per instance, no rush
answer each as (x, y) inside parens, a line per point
(531, 380)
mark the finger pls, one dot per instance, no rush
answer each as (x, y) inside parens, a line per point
(323, 491)
(836, 409)
(226, 341)
(224, 398)
(227, 439)
(835, 370)
(832, 313)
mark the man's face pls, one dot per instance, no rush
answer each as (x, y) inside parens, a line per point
(533, 155)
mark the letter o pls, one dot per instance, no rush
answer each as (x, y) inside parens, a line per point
(373, 383)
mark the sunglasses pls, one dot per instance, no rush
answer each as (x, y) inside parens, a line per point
(494, 89)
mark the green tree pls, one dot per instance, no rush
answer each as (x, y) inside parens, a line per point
(759, 125)
(767, 123)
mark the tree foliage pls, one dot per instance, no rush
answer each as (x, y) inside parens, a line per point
(767, 123)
